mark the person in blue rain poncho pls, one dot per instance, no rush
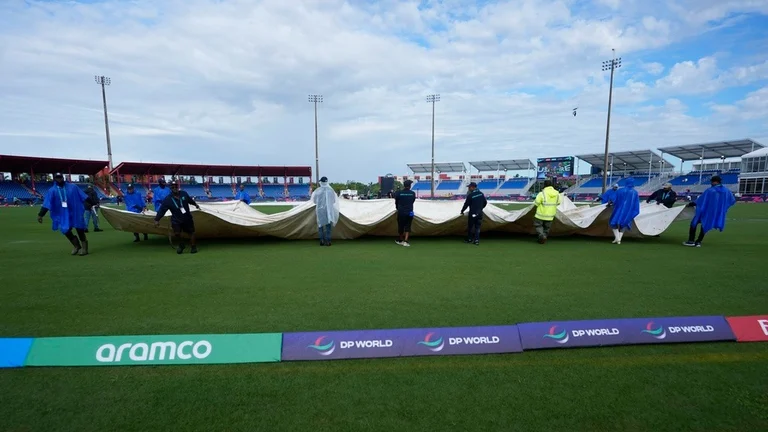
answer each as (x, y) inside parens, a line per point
(134, 203)
(610, 195)
(327, 210)
(625, 208)
(65, 202)
(243, 195)
(711, 208)
(159, 194)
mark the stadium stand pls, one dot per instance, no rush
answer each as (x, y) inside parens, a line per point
(253, 191)
(11, 189)
(421, 185)
(99, 193)
(194, 190)
(453, 186)
(220, 191)
(511, 187)
(273, 191)
(515, 186)
(298, 191)
(628, 164)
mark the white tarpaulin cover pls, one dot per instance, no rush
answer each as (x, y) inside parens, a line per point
(377, 217)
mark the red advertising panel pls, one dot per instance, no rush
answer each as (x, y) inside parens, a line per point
(750, 328)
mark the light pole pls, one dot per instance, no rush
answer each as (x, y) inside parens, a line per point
(315, 99)
(105, 81)
(611, 65)
(432, 99)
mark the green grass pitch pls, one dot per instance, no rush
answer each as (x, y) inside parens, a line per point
(269, 285)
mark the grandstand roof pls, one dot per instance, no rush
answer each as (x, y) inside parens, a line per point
(635, 160)
(507, 165)
(757, 153)
(211, 170)
(29, 164)
(442, 167)
(713, 150)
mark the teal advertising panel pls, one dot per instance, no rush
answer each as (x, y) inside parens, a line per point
(155, 350)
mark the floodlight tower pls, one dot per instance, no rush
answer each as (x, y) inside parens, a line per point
(315, 99)
(105, 81)
(432, 99)
(611, 65)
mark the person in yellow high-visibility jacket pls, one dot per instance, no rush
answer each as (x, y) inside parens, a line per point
(546, 208)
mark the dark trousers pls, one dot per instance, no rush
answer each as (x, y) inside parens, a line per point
(71, 237)
(473, 228)
(542, 227)
(692, 233)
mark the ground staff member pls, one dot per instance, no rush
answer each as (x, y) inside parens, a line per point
(181, 219)
(546, 208)
(404, 200)
(476, 202)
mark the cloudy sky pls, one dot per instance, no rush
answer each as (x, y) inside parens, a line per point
(226, 81)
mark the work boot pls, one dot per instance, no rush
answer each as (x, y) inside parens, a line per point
(84, 249)
(76, 243)
(146, 237)
(193, 250)
(180, 249)
(98, 230)
(136, 238)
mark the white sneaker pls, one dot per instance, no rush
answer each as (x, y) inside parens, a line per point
(615, 241)
(398, 242)
(406, 244)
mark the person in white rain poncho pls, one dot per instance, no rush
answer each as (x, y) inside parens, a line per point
(327, 209)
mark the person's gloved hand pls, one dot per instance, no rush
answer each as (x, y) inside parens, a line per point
(39, 219)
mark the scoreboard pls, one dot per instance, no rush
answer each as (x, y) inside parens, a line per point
(555, 167)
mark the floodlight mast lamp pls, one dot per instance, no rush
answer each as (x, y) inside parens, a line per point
(315, 99)
(105, 81)
(611, 65)
(432, 99)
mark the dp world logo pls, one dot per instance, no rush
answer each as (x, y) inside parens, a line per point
(323, 349)
(658, 333)
(559, 337)
(433, 343)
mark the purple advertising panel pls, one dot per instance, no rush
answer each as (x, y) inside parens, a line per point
(679, 329)
(343, 344)
(463, 340)
(567, 334)
(400, 342)
(631, 331)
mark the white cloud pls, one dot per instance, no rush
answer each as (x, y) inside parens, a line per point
(211, 81)
(653, 68)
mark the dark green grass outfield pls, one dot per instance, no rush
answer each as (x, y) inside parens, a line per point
(271, 285)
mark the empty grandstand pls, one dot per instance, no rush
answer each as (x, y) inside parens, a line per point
(645, 167)
(718, 152)
(31, 177)
(444, 185)
(506, 187)
(221, 190)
